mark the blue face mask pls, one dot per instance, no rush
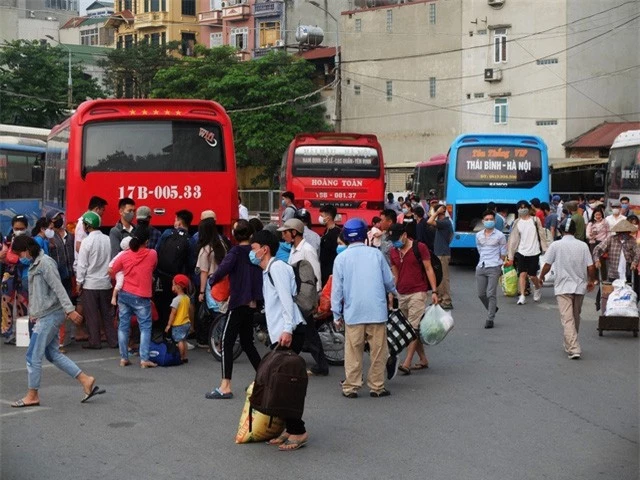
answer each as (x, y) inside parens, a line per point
(398, 244)
(25, 261)
(253, 259)
(489, 223)
(405, 210)
(284, 203)
(340, 249)
(285, 246)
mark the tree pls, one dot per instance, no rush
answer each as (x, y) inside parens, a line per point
(34, 82)
(129, 72)
(249, 90)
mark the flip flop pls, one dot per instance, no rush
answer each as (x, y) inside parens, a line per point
(404, 370)
(278, 440)
(218, 395)
(297, 444)
(96, 390)
(20, 404)
(420, 366)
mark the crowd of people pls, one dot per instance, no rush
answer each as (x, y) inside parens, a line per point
(136, 284)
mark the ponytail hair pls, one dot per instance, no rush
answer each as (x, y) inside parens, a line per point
(139, 237)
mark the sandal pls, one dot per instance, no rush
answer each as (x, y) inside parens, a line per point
(20, 404)
(284, 436)
(420, 366)
(404, 370)
(292, 444)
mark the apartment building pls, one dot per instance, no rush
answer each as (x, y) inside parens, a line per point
(33, 19)
(90, 30)
(420, 73)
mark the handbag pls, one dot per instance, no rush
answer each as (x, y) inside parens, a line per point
(400, 333)
(221, 290)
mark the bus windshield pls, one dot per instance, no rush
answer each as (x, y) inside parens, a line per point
(336, 161)
(624, 168)
(498, 166)
(148, 146)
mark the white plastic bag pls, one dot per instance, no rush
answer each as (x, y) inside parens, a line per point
(550, 277)
(435, 325)
(622, 302)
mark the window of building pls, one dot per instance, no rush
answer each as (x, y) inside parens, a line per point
(188, 43)
(189, 7)
(239, 38)
(356, 89)
(500, 45)
(155, 39)
(358, 24)
(155, 5)
(128, 41)
(128, 5)
(269, 33)
(215, 4)
(500, 110)
(546, 61)
(163, 38)
(89, 36)
(478, 95)
(482, 31)
(69, 5)
(215, 40)
(389, 20)
(432, 13)
(546, 123)
(432, 87)
(389, 90)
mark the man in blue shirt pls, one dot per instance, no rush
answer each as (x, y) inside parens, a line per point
(361, 281)
(492, 247)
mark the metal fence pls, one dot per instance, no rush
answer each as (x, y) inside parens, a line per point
(263, 204)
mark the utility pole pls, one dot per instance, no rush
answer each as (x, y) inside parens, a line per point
(69, 81)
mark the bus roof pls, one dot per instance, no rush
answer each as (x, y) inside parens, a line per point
(498, 139)
(627, 139)
(22, 144)
(334, 136)
(440, 159)
(24, 132)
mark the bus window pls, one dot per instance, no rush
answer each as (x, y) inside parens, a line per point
(336, 161)
(147, 146)
(625, 168)
(504, 166)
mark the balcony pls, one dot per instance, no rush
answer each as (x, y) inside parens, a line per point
(236, 13)
(150, 20)
(213, 17)
(243, 55)
(268, 9)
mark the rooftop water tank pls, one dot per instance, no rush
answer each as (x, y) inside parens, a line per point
(308, 35)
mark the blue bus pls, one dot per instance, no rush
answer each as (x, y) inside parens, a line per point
(497, 168)
(21, 178)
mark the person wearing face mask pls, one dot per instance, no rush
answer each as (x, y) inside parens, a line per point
(616, 215)
(245, 282)
(143, 219)
(624, 206)
(526, 243)
(329, 240)
(492, 248)
(124, 227)
(42, 233)
(407, 215)
(623, 254)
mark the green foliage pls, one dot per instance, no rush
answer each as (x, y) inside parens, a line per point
(261, 135)
(129, 72)
(34, 82)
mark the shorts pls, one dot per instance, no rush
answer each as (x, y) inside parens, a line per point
(413, 305)
(180, 332)
(530, 265)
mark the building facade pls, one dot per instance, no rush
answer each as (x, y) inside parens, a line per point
(33, 19)
(91, 29)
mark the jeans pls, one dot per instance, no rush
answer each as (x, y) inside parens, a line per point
(44, 343)
(487, 283)
(128, 305)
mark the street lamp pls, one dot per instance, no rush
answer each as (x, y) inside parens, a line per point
(338, 104)
(69, 82)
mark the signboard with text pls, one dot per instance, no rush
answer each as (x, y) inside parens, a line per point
(498, 166)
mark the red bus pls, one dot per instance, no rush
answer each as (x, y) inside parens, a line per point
(429, 177)
(342, 169)
(165, 154)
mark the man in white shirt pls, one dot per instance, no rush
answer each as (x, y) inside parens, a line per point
(243, 212)
(575, 274)
(292, 232)
(97, 205)
(526, 243)
(94, 283)
(615, 217)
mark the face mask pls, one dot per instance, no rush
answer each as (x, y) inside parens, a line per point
(321, 220)
(49, 233)
(489, 223)
(523, 211)
(616, 211)
(128, 216)
(58, 223)
(398, 244)
(405, 210)
(253, 258)
(624, 206)
(17, 233)
(340, 249)
(285, 246)
(284, 203)
(25, 261)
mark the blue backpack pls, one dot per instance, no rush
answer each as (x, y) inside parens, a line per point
(165, 354)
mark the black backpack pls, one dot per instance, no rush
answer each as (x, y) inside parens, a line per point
(280, 386)
(306, 283)
(435, 263)
(173, 255)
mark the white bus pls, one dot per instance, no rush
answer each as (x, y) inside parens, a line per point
(623, 174)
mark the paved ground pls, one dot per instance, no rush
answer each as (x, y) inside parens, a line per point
(496, 404)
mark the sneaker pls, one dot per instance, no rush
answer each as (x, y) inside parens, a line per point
(392, 367)
(190, 346)
(537, 294)
(488, 324)
(521, 300)
(574, 356)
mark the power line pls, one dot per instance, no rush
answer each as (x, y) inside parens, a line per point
(22, 95)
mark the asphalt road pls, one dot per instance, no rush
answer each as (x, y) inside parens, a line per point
(496, 404)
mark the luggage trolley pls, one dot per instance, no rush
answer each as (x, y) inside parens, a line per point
(621, 324)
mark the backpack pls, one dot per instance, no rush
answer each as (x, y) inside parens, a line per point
(164, 354)
(280, 386)
(435, 263)
(306, 283)
(173, 254)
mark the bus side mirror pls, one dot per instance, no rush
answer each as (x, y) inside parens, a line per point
(598, 178)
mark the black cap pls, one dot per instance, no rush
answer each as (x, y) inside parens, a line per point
(396, 231)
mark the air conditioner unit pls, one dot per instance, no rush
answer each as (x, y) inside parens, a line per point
(496, 3)
(280, 43)
(492, 74)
